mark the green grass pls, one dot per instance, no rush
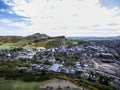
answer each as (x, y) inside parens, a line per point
(18, 85)
(29, 46)
(48, 43)
(12, 45)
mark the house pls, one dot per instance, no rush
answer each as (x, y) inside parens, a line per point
(8, 55)
(117, 82)
(51, 59)
(77, 64)
(64, 70)
(107, 57)
(54, 67)
(25, 54)
(72, 71)
(22, 68)
(63, 48)
(38, 49)
(80, 70)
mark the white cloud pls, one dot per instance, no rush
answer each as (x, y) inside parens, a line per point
(11, 23)
(9, 27)
(49, 17)
(6, 10)
(2, 10)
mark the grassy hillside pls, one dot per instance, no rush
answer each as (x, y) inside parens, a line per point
(14, 39)
(54, 42)
(13, 45)
(32, 41)
(11, 39)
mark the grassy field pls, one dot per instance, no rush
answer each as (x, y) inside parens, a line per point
(12, 45)
(18, 85)
(46, 43)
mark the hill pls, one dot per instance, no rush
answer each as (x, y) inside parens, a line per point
(37, 36)
(11, 39)
(33, 41)
(53, 42)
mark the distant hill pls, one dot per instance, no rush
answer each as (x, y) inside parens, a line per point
(11, 39)
(37, 36)
(53, 42)
(32, 41)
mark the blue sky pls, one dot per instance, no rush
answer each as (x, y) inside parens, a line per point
(6, 12)
(110, 3)
(55, 17)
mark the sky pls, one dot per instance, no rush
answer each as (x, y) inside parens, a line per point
(99, 18)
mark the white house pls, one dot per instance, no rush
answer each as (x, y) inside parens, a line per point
(55, 67)
(40, 49)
